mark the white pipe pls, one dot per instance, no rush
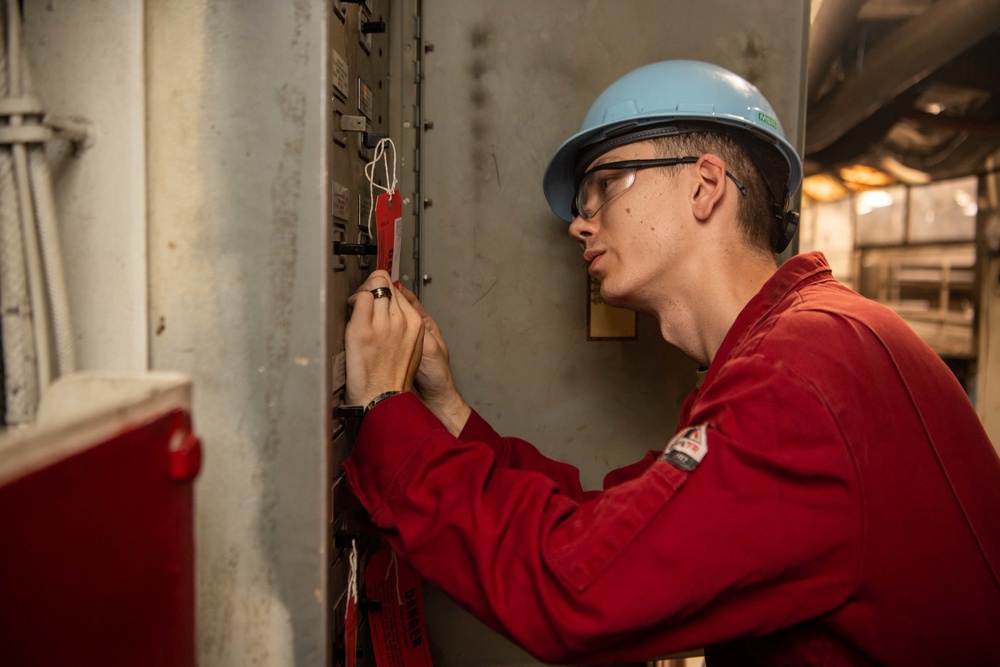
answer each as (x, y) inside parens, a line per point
(36, 280)
(48, 237)
(45, 218)
(20, 368)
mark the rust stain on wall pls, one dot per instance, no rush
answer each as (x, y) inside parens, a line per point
(286, 193)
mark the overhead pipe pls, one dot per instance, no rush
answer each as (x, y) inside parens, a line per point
(899, 61)
(828, 33)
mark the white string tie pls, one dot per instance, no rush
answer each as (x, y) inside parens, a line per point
(352, 578)
(394, 565)
(380, 154)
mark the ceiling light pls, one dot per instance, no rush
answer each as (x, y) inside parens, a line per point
(824, 188)
(863, 177)
(873, 199)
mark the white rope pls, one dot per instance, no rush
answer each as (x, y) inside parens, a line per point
(370, 173)
(352, 578)
(394, 565)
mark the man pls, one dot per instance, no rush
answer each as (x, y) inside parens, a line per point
(830, 497)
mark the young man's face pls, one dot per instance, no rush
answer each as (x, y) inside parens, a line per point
(629, 240)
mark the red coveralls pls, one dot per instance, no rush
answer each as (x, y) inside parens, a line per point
(819, 528)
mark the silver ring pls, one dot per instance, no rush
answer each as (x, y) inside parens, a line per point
(380, 292)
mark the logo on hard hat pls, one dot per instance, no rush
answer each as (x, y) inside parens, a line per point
(767, 119)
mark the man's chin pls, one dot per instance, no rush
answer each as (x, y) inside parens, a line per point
(618, 299)
(611, 297)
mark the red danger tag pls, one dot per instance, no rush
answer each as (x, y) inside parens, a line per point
(389, 227)
(351, 633)
(399, 633)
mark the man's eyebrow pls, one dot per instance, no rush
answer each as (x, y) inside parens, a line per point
(604, 159)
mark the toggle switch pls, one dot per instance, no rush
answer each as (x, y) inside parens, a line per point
(362, 249)
(371, 139)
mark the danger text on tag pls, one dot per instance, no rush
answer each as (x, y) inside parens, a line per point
(399, 632)
(389, 226)
(686, 449)
(351, 633)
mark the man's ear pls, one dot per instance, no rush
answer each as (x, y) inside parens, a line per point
(711, 185)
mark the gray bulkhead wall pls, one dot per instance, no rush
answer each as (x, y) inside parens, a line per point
(237, 180)
(504, 84)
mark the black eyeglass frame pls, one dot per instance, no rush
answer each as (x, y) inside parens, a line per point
(646, 164)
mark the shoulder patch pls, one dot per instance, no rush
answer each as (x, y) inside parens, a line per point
(686, 449)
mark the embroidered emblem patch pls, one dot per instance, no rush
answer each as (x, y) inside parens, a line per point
(686, 449)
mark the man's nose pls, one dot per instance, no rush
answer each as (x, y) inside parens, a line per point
(581, 229)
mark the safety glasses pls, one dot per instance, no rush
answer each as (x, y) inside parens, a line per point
(609, 180)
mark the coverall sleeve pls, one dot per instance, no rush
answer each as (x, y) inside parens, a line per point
(763, 534)
(516, 454)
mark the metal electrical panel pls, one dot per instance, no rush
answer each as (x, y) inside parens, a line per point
(363, 110)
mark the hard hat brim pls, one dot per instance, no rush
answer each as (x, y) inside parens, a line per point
(559, 180)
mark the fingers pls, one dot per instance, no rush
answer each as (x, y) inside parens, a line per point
(376, 279)
(429, 323)
(416, 355)
(414, 301)
(384, 340)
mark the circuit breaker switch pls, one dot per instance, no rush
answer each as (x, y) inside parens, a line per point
(353, 123)
(354, 248)
(371, 139)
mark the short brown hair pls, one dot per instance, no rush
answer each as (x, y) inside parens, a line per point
(754, 212)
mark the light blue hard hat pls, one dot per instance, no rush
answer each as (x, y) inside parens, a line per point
(671, 97)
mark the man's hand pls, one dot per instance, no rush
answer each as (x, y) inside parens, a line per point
(383, 340)
(434, 379)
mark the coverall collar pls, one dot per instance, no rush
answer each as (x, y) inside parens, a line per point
(808, 267)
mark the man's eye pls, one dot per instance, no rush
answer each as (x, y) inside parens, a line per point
(607, 181)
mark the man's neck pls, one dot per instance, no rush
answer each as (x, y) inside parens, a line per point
(697, 318)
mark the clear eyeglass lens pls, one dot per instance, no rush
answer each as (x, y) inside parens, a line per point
(599, 187)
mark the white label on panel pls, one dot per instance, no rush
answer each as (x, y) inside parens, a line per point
(341, 74)
(364, 99)
(341, 199)
(364, 209)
